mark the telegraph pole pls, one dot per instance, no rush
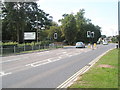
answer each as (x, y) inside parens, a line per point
(37, 27)
(119, 23)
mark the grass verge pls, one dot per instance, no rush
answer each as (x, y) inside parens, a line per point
(104, 74)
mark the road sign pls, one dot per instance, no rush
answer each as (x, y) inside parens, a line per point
(88, 34)
(92, 34)
(55, 35)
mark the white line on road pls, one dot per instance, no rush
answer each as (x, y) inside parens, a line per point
(11, 60)
(3, 73)
(64, 52)
(49, 60)
(39, 63)
(46, 61)
(59, 57)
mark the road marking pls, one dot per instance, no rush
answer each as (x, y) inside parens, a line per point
(47, 51)
(59, 57)
(64, 52)
(46, 61)
(13, 60)
(70, 55)
(49, 60)
(39, 63)
(3, 73)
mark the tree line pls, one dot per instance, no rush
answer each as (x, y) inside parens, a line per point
(19, 17)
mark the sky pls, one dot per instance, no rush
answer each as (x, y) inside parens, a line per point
(103, 13)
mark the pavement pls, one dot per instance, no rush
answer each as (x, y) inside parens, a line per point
(47, 69)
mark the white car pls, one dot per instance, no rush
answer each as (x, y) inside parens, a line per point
(80, 45)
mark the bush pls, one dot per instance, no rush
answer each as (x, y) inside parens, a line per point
(9, 44)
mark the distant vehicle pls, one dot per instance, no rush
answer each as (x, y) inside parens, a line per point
(105, 43)
(80, 45)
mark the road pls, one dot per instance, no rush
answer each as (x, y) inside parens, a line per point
(46, 69)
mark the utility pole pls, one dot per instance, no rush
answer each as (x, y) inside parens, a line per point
(37, 26)
(18, 38)
(119, 23)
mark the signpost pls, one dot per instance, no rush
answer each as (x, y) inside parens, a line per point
(90, 35)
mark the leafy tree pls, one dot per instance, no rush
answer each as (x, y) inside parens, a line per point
(52, 30)
(83, 25)
(69, 28)
(22, 16)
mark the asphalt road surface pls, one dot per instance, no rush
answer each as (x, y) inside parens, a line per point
(46, 69)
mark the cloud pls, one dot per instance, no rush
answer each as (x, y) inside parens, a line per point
(72, 1)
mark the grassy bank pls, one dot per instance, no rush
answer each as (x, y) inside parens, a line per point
(104, 74)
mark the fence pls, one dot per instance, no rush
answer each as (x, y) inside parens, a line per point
(25, 48)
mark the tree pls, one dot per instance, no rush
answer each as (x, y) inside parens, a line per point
(84, 25)
(69, 28)
(52, 30)
(22, 16)
(75, 27)
(81, 22)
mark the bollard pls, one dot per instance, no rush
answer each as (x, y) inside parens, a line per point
(95, 45)
(89, 46)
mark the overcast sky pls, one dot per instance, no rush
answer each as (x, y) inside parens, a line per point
(103, 13)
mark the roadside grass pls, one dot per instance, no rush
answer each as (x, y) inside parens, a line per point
(101, 77)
